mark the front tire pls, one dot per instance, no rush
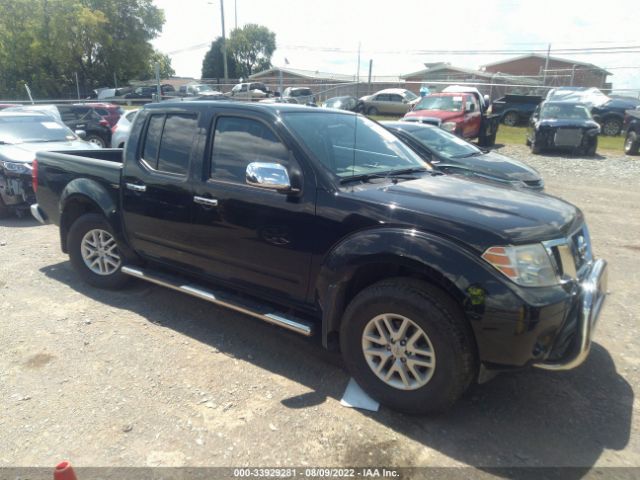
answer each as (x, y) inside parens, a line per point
(631, 143)
(408, 345)
(372, 111)
(94, 252)
(5, 212)
(593, 146)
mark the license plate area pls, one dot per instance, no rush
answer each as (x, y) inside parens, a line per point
(568, 137)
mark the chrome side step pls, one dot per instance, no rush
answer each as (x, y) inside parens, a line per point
(222, 299)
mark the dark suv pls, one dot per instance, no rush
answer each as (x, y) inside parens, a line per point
(86, 118)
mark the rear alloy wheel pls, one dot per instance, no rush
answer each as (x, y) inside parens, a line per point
(510, 119)
(408, 345)
(94, 252)
(96, 140)
(612, 127)
(631, 143)
(372, 111)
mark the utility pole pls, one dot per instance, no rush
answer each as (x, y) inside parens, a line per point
(235, 11)
(546, 66)
(358, 72)
(224, 44)
(77, 86)
(370, 68)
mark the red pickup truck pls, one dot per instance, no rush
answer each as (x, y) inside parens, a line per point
(462, 113)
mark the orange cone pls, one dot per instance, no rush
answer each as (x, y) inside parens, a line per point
(64, 471)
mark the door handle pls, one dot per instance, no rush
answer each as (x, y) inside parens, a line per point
(136, 188)
(209, 202)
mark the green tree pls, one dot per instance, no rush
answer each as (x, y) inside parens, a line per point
(46, 42)
(213, 63)
(164, 61)
(252, 47)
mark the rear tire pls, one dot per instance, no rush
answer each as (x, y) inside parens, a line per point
(510, 119)
(94, 252)
(631, 143)
(612, 127)
(96, 140)
(417, 381)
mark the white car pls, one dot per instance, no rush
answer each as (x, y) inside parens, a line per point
(390, 101)
(120, 131)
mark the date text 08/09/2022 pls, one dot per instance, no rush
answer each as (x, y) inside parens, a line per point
(311, 472)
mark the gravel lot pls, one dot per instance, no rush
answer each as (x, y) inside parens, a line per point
(150, 377)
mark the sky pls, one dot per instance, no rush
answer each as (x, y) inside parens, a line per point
(325, 35)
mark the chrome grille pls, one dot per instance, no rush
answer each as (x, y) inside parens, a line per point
(571, 256)
(580, 245)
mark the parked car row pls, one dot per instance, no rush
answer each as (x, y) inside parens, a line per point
(22, 134)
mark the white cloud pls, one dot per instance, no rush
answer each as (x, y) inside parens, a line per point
(405, 26)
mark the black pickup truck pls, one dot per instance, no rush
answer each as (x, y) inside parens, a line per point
(323, 222)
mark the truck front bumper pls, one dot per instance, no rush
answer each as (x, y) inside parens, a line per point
(593, 293)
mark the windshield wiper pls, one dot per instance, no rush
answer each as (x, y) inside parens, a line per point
(467, 155)
(403, 174)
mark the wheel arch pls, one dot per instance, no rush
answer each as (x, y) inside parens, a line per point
(368, 257)
(82, 196)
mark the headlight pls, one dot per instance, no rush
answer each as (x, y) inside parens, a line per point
(16, 167)
(449, 126)
(526, 265)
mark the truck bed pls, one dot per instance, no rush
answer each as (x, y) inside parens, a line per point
(58, 170)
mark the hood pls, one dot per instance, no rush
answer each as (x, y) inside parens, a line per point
(466, 209)
(26, 152)
(495, 165)
(558, 123)
(440, 114)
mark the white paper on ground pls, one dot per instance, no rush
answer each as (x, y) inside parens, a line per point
(355, 397)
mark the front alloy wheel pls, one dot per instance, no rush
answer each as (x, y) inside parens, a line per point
(398, 351)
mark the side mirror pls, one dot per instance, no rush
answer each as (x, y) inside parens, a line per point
(81, 133)
(471, 108)
(272, 176)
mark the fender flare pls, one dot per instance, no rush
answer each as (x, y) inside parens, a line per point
(445, 263)
(85, 190)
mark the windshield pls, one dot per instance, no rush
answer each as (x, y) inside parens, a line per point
(444, 143)
(202, 88)
(410, 95)
(33, 129)
(350, 145)
(448, 103)
(565, 112)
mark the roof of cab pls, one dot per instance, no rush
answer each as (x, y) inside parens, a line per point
(276, 108)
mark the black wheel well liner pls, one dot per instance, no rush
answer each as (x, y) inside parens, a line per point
(369, 273)
(74, 208)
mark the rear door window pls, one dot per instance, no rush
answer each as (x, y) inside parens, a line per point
(152, 140)
(175, 146)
